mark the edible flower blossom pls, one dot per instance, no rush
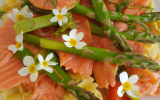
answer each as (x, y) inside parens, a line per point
(60, 16)
(30, 69)
(19, 44)
(74, 39)
(20, 15)
(127, 86)
(90, 85)
(44, 63)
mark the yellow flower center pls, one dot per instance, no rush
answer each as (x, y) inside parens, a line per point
(20, 17)
(72, 42)
(32, 68)
(59, 16)
(45, 63)
(18, 45)
(126, 86)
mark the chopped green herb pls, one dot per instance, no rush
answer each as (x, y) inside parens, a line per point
(141, 77)
(53, 2)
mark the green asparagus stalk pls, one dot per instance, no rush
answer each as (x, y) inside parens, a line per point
(109, 30)
(37, 23)
(34, 23)
(126, 58)
(89, 13)
(60, 77)
(131, 35)
(41, 22)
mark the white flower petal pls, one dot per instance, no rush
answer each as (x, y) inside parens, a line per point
(60, 22)
(65, 19)
(16, 11)
(20, 36)
(134, 88)
(80, 45)
(67, 44)
(39, 67)
(79, 36)
(52, 63)
(49, 57)
(40, 58)
(66, 37)
(64, 10)
(28, 15)
(33, 76)
(21, 48)
(28, 60)
(123, 77)
(131, 94)
(12, 48)
(17, 38)
(48, 69)
(55, 12)
(73, 33)
(120, 91)
(23, 71)
(11, 16)
(25, 8)
(54, 19)
(133, 79)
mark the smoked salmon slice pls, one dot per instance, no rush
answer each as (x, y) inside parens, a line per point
(84, 27)
(9, 66)
(7, 35)
(9, 74)
(111, 6)
(76, 63)
(120, 26)
(86, 3)
(48, 6)
(137, 47)
(146, 78)
(105, 73)
(44, 88)
(136, 9)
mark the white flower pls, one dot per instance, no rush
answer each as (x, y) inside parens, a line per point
(127, 86)
(44, 64)
(74, 39)
(19, 44)
(20, 15)
(59, 16)
(30, 69)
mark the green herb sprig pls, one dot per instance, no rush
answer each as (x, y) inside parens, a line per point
(53, 2)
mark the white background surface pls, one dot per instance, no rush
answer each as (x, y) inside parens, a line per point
(157, 4)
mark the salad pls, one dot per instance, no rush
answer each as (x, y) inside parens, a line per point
(79, 50)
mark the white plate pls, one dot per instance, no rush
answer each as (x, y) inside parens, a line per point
(157, 4)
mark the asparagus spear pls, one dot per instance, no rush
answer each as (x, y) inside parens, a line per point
(89, 13)
(126, 58)
(131, 35)
(60, 77)
(36, 23)
(109, 30)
